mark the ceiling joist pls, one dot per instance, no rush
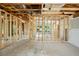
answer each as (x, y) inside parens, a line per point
(22, 9)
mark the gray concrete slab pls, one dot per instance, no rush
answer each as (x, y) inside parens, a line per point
(39, 48)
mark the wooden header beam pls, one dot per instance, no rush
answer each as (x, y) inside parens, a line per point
(46, 9)
(58, 12)
(21, 3)
(67, 13)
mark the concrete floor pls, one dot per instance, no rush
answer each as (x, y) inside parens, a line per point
(39, 48)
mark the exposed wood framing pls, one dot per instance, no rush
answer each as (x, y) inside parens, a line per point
(15, 31)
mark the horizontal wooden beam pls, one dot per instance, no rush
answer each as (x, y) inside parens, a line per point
(24, 10)
(21, 3)
(58, 12)
(52, 12)
(49, 13)
(47, 9)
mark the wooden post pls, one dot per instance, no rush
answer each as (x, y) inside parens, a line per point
(15, 28)
(58, 30)
(26, 30)
(27, 27)
(0, 30)
(3, 30)
(38, 27)
(34, 27)
(6, 29)
(10, 28)
(20, 30)
(52, 28)
(42, 28)
(0, 27)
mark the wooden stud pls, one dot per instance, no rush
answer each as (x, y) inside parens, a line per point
(0, 30)
(6, 28)
(42, 28)
(10, 27)
(16, 28)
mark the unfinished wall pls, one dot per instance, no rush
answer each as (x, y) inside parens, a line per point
(32, 27)
(74, 31)
(12, 29)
